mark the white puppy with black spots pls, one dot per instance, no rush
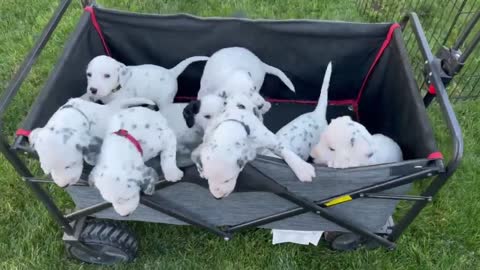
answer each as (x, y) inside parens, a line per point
(73, 134)
(134, 136)
(236, 69)
(231, 140)
(346, 143)
(303, 132)
(109, 79)
(199, 113)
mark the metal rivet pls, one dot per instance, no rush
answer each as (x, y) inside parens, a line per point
(429, 174)
(418, 167)
(350, 108)
(318, 212)
(430, 74)
(226, 238)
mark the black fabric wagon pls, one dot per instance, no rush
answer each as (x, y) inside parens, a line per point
(372, 81)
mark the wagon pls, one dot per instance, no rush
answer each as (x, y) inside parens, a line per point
(372, 81)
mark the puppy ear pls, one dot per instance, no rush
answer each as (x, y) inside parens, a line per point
(33, 137)
(150, 176)
(123, 73)
(90, 149)
(190, 111)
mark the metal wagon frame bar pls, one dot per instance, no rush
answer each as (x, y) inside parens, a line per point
(71, 223)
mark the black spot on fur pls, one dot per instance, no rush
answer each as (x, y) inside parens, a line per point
(293, 128)
(52, 129)
(249, 74)
(241, 106)
(84, 124)
(369, 155)
(226, 181)
(352, 141)
(240, 163)
(350, 124)
(134, 126)
(129, 186)
(162, 78)
(117, 179)
(147, 125)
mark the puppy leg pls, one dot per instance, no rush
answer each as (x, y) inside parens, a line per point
(196, 159)
(168, 159)
(303, 170)
(150, 176)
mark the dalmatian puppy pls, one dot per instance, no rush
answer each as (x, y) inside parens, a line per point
(109, 79)
(73, 134)
(188, 137)
(304, 131)
(231, 140)
(346, 143)
(199, 113)
(134, 136)
(236, 69)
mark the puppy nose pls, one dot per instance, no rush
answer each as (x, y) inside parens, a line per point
(93, 90)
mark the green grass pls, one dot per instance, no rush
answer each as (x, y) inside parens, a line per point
(444, 236)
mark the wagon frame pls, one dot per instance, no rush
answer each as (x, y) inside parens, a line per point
(74, 223)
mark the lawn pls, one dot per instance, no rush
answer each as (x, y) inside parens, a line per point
(445, 236)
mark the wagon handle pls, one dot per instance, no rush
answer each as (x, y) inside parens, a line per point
(434, 71)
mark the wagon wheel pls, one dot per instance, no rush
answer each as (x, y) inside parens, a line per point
(110, 242)
(343, 241)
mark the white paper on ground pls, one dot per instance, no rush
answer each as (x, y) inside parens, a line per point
(297, 237)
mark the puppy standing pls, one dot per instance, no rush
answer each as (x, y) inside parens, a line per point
(74, 133)
(346, 143)
(109, 79)
(304, 131)
(231, 140)
(135, 136)
(236, 69)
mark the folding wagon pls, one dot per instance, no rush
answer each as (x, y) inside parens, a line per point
(372, 81)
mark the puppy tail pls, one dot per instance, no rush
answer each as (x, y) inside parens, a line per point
(321, 108)
(180, 67)
(277, 72)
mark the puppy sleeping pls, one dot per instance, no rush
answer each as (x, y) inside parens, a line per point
(231, 140)
(346, 143)
(135, 136)
(236, 69)
(74, 133)
(303, 132)
(109, 79)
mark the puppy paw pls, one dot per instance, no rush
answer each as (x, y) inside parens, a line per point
(149, 189)
(304, 171)
(173, 175)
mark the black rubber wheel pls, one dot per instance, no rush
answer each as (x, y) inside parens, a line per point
(111, 243)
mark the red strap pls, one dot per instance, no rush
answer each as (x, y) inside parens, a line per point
(274, 100)
(435, 155)
(124, 133)
(23, 132)
(93, 18)
(375, 62)
(431, 89)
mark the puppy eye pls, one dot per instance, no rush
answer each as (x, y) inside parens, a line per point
(208, 116)
(89, 74)
(106, 76)
(331, 149)
(241, 106)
